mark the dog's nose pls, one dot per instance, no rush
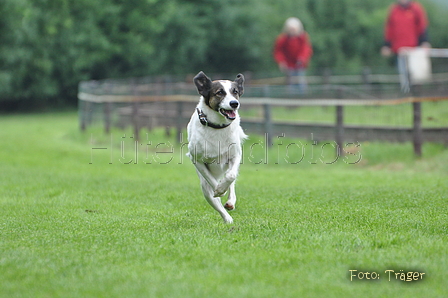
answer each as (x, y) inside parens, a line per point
(234, 104)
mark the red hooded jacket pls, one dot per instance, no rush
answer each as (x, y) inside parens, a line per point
(294, 51)
(406, 26)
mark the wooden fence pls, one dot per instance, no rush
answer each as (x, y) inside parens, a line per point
(169, 102)
(175, 111)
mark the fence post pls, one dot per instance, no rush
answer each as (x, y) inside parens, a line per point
(366, 79)
(339, 130)
(417, 119)
(135, 120)
(417, 129)
(180, 106)
(326, 76)
(166, 108)
(339, 125)
(268, 123)
(107, 111)
(135, 110)
(84, 107)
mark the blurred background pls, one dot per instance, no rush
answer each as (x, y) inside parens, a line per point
(48, 46)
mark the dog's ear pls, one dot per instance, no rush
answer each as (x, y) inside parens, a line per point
(240, 82)
(203, 84)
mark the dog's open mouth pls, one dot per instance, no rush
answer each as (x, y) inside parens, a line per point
(229, 114)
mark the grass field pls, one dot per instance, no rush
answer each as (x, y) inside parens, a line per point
(83, 222)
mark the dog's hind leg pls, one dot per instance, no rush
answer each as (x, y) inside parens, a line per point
(215, 202)
(231, 200)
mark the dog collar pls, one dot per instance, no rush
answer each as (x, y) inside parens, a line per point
(205, 122)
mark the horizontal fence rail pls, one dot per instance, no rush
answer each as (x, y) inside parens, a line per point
(148, 104)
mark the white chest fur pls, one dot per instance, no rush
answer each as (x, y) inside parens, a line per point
(209, 145)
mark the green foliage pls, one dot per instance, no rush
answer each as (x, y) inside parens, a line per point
(48, 46)
(215, 36)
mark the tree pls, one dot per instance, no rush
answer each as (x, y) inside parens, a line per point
(48, 46)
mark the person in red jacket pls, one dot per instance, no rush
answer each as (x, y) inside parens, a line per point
(292, 52)
(406, 26)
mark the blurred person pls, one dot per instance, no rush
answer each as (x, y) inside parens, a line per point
(292, 52)
(406, 26)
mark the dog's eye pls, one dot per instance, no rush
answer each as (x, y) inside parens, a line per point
(220, 92)
(235, 91)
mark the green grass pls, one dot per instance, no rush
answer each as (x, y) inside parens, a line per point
(74, 225)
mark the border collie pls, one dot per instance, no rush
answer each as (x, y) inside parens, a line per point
(214, 139)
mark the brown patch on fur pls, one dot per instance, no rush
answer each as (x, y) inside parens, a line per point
(214, 92)
(217, 93)
(229, 207)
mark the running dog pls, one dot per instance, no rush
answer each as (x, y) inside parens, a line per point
(214, 139)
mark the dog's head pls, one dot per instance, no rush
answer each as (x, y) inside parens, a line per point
(221, 96)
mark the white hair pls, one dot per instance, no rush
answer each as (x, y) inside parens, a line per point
(294, 24)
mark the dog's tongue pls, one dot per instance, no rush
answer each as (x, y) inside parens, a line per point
(231, 114)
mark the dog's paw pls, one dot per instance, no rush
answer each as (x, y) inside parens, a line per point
(229, 206)
(228, 219)
(219, 192)
(222, 188)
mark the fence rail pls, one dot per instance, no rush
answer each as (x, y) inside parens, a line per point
(169, 104)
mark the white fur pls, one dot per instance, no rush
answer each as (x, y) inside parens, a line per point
(216, 153)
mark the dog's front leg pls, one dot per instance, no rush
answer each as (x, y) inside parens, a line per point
(205, 173)
(229, 176)
(215, 202)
